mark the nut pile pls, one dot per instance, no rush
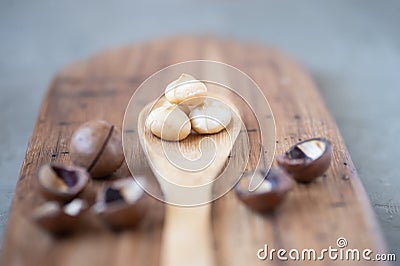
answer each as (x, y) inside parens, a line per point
(187, 108)
(96, 151)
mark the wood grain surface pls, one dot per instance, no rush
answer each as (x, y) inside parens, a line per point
(313, 216)
(187, 232)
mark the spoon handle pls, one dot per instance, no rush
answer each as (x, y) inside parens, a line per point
(187, 237)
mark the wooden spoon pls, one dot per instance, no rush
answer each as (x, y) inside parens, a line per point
(187, 234)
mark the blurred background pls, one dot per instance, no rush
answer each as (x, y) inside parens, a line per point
(351, 49)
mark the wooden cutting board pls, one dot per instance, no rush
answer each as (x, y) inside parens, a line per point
(314, 215)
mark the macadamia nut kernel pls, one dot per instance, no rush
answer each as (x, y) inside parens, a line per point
(186, 90)
(210, 117)
(169, 122)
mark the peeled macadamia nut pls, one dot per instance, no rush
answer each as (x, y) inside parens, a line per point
(97, 146)
(186, 90)
(186, 107)
(210, 117)
(168, 122)
(60, 182)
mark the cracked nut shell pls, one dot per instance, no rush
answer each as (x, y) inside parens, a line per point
(307, 160)
(60, 219)
(267, 196)
(60, 182)
(97, 146)
(122, 204)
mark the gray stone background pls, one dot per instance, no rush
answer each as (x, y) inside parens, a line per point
(351, 48)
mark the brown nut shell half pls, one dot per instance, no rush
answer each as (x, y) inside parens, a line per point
(60, 219)
(271, 192)
(121, 204)
(97, 146)
(307, 160)
(60, 182)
